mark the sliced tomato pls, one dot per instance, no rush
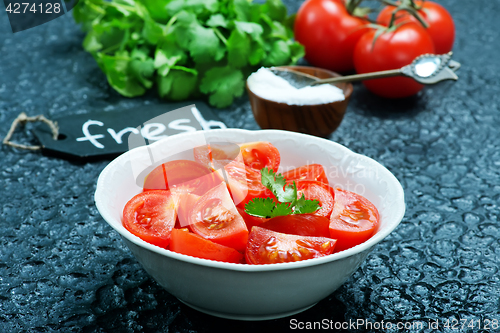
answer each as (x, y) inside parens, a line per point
(271, 247)
(244, 183)
(354, 219)
(221, 151)
(216, 218)
(299, 224)
(314, 190)
(185, 242)
(255, 155)
(182, 175)
(151, 216)
(259, 155)
(250, 220)
(307, 172)
(186, 204)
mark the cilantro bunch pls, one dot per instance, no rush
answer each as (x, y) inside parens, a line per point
(288, 202)
(186, 48)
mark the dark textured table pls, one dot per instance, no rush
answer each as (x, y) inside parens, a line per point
(62, 268)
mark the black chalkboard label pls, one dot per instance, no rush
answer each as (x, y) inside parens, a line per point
(105, 134)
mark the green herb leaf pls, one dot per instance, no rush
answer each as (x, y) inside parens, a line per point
(188, 47)
(286, 194)
(277, 184)
(304, 206)
(223, 84)
(267, 208)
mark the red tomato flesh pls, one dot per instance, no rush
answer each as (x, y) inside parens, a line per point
(313, 190)
(307, 172)
(185, 242)
(151, 216)
(255, 155)
(354, 219)
(250, 220)
(243, 182)
(271, 247)
(299, 224)
(260, 155)
(182, 176)
(186, 203)
(215, 217)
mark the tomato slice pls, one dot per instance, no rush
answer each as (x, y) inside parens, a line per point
(250, 220)
(299, 224)
(185, 242)
(216, 218)
(255, 155)
(219, 151)
(186, 203)
(271, 247)
(182, 175)
(354, 219)
(314, 190)
(258, 155)
(151, 216)
(307, 172)
(244, 183)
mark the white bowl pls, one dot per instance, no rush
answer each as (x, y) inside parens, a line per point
(251, 292)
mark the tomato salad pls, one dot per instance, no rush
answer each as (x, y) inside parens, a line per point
(231, 205)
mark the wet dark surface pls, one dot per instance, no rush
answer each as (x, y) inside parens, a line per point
(62, 268)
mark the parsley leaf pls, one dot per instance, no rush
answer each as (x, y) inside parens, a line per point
(186, 47)
(286, 194)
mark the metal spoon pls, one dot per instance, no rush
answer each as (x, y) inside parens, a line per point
(425, 69)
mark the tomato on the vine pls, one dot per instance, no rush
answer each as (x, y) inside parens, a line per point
(393, 48)
(441, 27)
(329, 33)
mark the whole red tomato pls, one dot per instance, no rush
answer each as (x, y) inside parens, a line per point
(328, 33)
(392, 49)
(441, 27)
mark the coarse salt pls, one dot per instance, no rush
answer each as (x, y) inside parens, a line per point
(266, 84)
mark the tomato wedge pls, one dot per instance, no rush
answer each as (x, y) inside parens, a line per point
(250, 220)
(186, 203)
(219, 151)
(185, 242)
(151, 216)
(299, 224)
(354, 219)
(255, 155)
(216, 218)
(182, 175)
(244, 183)
(271, 247)
(314, 190)
(307, 172)
(259, 155)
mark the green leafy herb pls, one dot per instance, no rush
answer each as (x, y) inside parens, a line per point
(185, 48)
(286, 194)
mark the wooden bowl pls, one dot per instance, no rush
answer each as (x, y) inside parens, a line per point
(318, 119)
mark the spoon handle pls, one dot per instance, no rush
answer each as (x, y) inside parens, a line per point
(360, 77)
